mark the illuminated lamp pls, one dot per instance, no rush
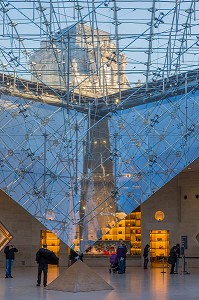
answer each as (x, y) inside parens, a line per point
(50, 215)
(159, 216)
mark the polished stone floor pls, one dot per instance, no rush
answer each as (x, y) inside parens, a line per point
(136, 284)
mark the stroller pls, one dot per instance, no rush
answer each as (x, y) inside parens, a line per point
(113, 263)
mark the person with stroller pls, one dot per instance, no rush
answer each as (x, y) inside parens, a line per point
(113, 263)
(121, 256)
(145, 255)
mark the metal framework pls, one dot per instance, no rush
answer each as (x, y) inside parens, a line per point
(99, 107)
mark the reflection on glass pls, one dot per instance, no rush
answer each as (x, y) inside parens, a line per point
(56, 164)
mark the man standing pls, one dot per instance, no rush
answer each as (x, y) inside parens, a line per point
(121, 255)
(172, 259)
(145, 255)
(10, 256)
(42, 258)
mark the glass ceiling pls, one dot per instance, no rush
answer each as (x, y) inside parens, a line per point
(85, 131)
(158, 38)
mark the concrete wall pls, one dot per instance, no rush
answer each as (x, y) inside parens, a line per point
(25, 231)
(181, 213)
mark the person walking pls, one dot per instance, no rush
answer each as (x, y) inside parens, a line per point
(9, 251)
(145, 255)
(42, 258)
(121, 255)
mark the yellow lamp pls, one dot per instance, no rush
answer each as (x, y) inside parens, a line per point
(159, 216)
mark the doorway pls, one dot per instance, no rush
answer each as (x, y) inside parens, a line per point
(159, 247)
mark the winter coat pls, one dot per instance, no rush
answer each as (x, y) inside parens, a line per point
(10, 252)
(172, 256)
(146, 252)
(121, 251)
(43, 255)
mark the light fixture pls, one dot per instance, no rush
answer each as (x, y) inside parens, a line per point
(117, 101)
(159, 216)
(50, 215)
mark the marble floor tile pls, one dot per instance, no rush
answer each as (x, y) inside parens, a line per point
(136, 284)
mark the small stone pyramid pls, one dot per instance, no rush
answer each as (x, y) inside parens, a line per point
(79, 278)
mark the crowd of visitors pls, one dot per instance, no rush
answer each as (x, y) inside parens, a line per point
(44, 257)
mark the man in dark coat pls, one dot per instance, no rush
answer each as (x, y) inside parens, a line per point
(121, 255)
(172, 259)
(42, 258)
(9, 251)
